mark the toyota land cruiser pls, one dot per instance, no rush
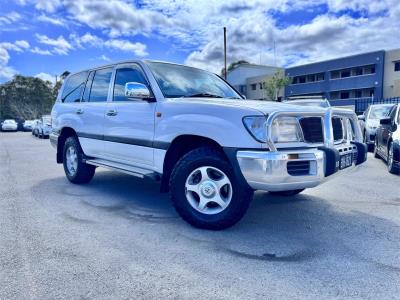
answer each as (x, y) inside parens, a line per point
(192, 131)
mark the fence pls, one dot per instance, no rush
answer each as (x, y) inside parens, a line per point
(361, 104)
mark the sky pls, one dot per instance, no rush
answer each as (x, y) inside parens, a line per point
(44, 38)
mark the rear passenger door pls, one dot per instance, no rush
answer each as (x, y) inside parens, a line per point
(129, 122)
(93, 106)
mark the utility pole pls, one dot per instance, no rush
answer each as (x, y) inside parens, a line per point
(225, 70)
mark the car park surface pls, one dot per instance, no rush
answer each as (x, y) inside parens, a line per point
(118, 237)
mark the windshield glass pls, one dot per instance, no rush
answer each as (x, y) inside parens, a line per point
(46, 120)
(181, 81)
(9, 122)
(379, 112)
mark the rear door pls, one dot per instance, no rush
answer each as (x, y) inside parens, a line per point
(129, 122)
(93, 106)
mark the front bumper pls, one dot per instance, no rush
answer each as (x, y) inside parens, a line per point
(9, 128)
(295, 169)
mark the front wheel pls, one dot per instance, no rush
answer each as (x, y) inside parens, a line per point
(75, 169)
(391, 165)
(287, 193)
(205, 191)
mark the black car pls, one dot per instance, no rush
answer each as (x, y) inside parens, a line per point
(387, 140)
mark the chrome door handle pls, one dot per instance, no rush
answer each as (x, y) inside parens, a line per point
(79, 111)
(112, 112)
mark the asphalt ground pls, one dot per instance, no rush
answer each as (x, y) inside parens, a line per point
(119, 238)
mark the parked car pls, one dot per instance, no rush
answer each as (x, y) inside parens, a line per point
(9, 125)
(371, 118)
(44, 127)
(310, 102)
(188, 128)
(387, 140)
(27, 125)
(35, 127)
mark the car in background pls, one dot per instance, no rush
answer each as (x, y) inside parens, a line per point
(324, 103)
(35, 126)
(27, 125)
(44, 127)
(370, 120)
(387, 139)
(9, 125)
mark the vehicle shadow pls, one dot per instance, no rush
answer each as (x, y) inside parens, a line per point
(275, 228)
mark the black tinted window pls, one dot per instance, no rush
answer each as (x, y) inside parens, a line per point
(101, 82)
(123, 76)
(73, 87)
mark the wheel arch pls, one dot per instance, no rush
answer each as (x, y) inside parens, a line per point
(65, 133)
(179, 147)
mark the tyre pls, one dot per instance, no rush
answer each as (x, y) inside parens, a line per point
(376, 154)
(390, 161)
(205, 192)
(75, 169)
(287, 193)
(40, 135)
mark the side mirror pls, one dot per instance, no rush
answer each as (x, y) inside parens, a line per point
(361, 117)
(385, 121)
(137, 90)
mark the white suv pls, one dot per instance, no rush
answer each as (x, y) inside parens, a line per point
(188, 128)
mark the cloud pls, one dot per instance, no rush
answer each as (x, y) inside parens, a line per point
(39, 51)
(46, 77)
(138, 49)
(60, 45)
(6, 72)
(10, 18)
(51, 20)
(105, 58)
(47, 5)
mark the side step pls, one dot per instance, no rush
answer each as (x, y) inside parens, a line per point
(135, 171)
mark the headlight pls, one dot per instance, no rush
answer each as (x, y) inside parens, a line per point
(256, 126)
(285, 130)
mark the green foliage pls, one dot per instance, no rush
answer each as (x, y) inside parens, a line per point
(26, 98)
(274, 84)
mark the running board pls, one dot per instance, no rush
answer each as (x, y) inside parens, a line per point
(135, 171)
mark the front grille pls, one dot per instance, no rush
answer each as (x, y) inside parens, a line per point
(337, 129)
(312, 129)
(298, 168)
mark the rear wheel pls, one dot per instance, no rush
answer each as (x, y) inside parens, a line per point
(205, 192)
(75, 169)
(287, 193)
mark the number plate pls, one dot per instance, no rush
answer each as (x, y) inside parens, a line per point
(346, 160)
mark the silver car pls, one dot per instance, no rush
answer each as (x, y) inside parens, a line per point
(9, 125)
(371, 118)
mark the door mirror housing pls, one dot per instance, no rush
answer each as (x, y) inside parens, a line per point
(361, 117)
(385, 121)
(137, 90)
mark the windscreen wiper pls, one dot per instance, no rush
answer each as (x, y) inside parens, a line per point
(203, 95)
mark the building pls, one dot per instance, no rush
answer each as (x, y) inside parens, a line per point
(256, 87)
(241, 77)
(391, 77)
(345, 79)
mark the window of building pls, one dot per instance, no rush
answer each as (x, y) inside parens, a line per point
(344, 95)
(397, 66)
(295, 80)
(302, 79)
(345, 73)
(260, 85)
(253, 87)
(100, 85)
(369, 70)
(320, 76)
(357, 93)
(311, 78)
(335, 74)
(123, 76)
(73, 87)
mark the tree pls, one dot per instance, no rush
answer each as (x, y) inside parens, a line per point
(275, 84)
(25, 98)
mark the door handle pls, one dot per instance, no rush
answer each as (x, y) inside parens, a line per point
(112, 112)
(79, 111)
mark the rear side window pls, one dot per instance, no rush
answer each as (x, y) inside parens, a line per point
(73, 87)
(100, 85)
(124, 75)
(88, 86)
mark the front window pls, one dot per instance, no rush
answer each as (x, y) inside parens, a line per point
(379, 112)
(180, 81)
